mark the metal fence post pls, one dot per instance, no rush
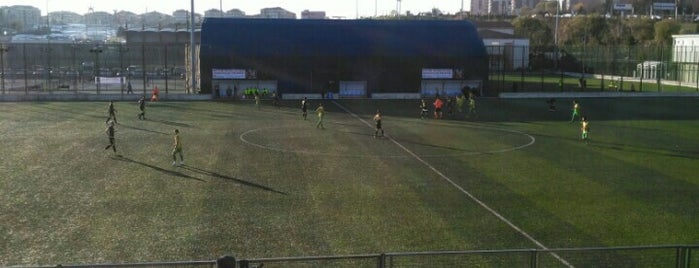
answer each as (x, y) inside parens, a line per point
(534, 259)
(689, 256)
(382, 260)
(682, 261)
(226, 262)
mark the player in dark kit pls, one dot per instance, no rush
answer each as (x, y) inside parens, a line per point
(377, 120)
(110, 134)
(423, 109)
(111, 113)
(142, 107)
(304, 107)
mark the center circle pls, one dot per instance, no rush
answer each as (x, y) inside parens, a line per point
(303, 140)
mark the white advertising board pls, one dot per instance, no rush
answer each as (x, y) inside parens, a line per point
(228, 73)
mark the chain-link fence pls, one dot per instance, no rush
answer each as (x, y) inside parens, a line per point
(89, 68)
(139, 68)
(652, 256)
(594, 68)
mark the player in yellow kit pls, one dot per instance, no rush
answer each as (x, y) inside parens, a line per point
(576, 111)
(177, 149)
(321, 112)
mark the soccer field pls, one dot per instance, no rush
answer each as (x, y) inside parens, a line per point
(265, 183)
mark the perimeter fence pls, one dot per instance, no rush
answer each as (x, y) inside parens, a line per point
(35, 68)
(29, 68)
(594, 68)
(678, 256)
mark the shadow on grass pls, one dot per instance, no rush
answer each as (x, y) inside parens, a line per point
(645, 150)
(357, 133)
(143, 129)
(170, 123)
(629, 147)
(431, 145)
(220, 176)
(165, 171)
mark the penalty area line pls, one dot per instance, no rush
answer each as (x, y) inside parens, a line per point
(461, 189)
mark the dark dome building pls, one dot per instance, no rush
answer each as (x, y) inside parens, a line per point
(353, 57)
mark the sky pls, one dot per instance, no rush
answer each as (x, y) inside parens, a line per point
(333, 8)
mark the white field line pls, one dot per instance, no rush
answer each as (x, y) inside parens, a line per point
(467, 193)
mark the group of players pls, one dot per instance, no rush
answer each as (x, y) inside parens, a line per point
(320, 111)
(439, 106)
(111, 131)
(584, 124)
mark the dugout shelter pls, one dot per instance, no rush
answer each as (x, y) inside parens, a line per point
(351, 58)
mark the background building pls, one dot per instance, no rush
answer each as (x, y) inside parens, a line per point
(276, 13)
(306, 14)
(20, 18)
(685, 54)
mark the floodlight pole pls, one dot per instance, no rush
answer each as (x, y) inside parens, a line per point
(555, 33)
(191, 49)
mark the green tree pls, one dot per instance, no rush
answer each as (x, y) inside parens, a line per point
(590, 29)
(536, 30)
(642, 30)
(664, 30)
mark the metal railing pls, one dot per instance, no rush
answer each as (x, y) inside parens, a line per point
(678, 256)
(30, 68)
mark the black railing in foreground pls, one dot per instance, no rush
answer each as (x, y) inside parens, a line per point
(679, 256)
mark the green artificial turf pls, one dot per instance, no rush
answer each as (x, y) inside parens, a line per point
(266, 183)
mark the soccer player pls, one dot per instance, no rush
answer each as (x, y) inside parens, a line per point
(110, 134)
(304, 108)
(576, 111)
(257, 100)
(111, 113)
(275, 99)
(471, 104)
(552, 104)
(177, 149)
(585, 128)
(460, 103)
(321, 111)
(438, 103)
(423, 109)
(377, 120)
(142, 106)
(154, 96)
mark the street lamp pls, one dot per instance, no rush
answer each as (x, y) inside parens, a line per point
(97, 50)
(3, 50)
